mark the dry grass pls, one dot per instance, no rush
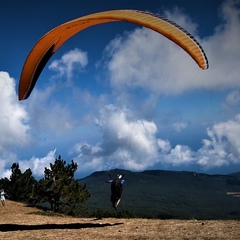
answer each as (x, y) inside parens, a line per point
(16, 223)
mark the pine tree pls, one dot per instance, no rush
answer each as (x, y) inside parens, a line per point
(20, 185)
(61, 190)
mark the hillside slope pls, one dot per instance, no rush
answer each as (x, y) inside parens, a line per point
(19, 223)
(169, 194)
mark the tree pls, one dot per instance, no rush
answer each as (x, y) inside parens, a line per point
(27, 182)
(14, 184)
(61, 190)
(20, 185)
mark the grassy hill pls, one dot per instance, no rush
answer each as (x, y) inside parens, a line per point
(169, 194)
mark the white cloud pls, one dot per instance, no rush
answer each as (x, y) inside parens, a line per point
(164, 67)
(132, 144)
(73, 60)
(37, 165)
(15, 129)
(180, 155)
(126, 142)
(13, 116)
(221, 148)
(223, 51)
(223, 145)
(13, 123)
(164, 146)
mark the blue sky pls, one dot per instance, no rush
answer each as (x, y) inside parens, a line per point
(121, 96)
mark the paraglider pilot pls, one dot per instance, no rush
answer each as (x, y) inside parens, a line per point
(116, 190)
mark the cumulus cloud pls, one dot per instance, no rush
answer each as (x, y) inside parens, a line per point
(73, 60)
(179, 155)
(222, 49)
(13, 123)
(37, 165)
(222, 147)
(164, 67)
(13, 116)
(133, 144)
(126, 142)
(14, 131)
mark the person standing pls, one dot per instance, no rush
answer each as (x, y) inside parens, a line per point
(3, 200)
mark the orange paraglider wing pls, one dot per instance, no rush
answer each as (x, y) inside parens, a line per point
(51, 41)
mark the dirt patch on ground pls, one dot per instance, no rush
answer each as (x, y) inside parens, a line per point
(18, 222)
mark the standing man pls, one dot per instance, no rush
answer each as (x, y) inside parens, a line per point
(2, 195)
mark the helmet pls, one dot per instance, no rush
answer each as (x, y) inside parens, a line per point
(119, 176)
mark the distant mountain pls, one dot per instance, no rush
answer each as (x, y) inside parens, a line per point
(169, 194)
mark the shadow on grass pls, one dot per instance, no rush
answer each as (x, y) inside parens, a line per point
(19, 227)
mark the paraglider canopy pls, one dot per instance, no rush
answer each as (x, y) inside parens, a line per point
(51, 41)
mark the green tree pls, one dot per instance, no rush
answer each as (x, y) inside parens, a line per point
(15, 185)
(27, 182)
(61, 190)
(20, 185)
